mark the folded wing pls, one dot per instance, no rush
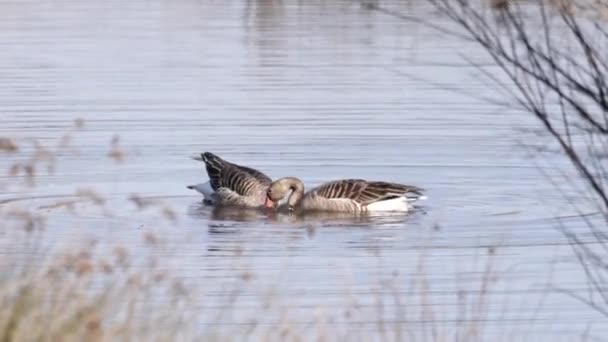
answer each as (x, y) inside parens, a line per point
(365, 192)
(240, 179)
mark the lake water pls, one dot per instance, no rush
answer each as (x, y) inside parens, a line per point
(319, 90)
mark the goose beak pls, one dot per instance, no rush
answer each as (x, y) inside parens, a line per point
(268, 203)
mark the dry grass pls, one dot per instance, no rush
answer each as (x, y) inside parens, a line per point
(94, 293)
(104, 293)
(91, 296)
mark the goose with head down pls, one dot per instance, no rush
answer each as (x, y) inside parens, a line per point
(231, 184)
(347, 195)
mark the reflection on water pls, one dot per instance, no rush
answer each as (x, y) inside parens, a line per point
(315, 89)
(227, 213)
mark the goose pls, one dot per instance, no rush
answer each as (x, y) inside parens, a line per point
(231, 184)
(347, 195)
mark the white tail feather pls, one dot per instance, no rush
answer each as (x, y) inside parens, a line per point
(205, 189)
(396, 204)
(419, 198)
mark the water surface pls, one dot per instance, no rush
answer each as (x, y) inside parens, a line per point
(319, 90)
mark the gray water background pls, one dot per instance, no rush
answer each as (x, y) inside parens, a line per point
(320, 90)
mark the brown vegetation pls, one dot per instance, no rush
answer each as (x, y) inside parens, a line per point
(101, 292)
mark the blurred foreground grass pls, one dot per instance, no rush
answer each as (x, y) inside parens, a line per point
(100, 292)
(93, 292)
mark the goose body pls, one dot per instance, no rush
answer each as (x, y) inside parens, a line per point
(347, 195)
(231, 184)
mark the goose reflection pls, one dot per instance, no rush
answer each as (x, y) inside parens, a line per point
(319, 218)
(226, 213)
(227, 216)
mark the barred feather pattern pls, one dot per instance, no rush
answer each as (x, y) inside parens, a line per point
(365, 192)
(235, 184)
(348, 195)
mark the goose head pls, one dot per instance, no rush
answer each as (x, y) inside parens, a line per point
(283, 187)
(275, 193)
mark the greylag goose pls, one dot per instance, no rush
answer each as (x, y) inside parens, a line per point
(231, 184)
(347, 195)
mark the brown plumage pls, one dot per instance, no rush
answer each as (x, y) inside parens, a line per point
(235, 184)
(347, 195)
(364, 192)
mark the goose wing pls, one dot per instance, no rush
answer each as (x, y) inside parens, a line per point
(262, 178)
(365, 192)
(240, 179)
